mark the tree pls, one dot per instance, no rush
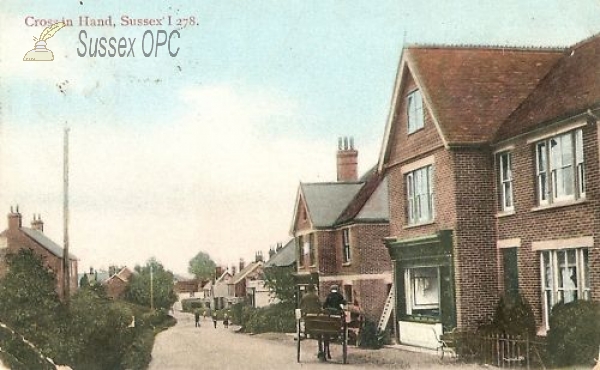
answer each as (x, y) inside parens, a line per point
(202, 266)
(160, 281)
(28, 299)
(281, 282)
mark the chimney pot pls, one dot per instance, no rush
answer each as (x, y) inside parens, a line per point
(347, 161)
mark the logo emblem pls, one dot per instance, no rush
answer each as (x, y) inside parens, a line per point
(40, 52)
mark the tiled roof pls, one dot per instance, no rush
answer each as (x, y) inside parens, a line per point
(327, 200)
(365, 195)
(245, 271)
(46, 242)
(571, 87)
(286, 256)
(472, 90)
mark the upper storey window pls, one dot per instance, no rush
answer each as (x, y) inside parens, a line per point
(505, 176)
(415, 111)
(560, 168)
(419, 191)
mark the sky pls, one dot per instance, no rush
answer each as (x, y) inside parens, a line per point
(204, 151)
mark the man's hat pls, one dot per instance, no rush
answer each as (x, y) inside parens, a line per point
(334, 288)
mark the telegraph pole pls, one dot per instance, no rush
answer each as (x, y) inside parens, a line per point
(66, 258)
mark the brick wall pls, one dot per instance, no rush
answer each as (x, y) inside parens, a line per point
(17, 240)
(475, 256)
(576, 220)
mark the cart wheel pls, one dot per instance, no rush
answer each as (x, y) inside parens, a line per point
(298, 341)
(345, 343)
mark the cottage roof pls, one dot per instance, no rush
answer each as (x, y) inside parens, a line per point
(245, 271)
(371, 203)
(46, 242)
(286, 256)
(571, 87)
(327, 200)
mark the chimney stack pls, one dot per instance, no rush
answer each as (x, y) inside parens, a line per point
(279, 247)
(37, 223)
(218, 272)
(258, 257)
(242, 264)
(347, 160)
(233, 270)
(14, 219)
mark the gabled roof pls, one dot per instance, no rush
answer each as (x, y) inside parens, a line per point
(571, 87)
(325, 201)
(226, 274)
(469, 91)
(286, 256)
(245, 271)
(370, 203)
(46, 242)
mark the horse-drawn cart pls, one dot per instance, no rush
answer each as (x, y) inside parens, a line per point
(324, 327)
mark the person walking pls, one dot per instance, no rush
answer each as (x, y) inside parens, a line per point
(226, 320)
(214, 318)
(197, 318)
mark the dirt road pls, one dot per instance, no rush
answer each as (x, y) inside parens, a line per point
(186, 347)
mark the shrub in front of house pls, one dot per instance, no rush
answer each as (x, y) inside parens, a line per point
(574, 335)
(274, 318)
(371, 337)
(513, 315)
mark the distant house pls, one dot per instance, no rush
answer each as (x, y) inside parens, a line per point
(339, 229)
(117, 283)
(17, 237)
(221, 290)
(282, 258)
(249, 284)
(93, 276)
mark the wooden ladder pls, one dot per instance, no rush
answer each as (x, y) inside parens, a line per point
(387, 310)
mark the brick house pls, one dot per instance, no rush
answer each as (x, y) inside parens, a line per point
(248, 281)
(17, 237)
(117, 283)
(339, 228)
(492, 159)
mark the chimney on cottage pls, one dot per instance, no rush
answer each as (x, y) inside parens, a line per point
(233, 270)
(37, 223)
(279, 247)
(91, 270)
(15, 221)
(218, 272)
(271, 252)
(347, 160)
(258, 257)
(242, 264)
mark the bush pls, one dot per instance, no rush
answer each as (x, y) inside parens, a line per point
(574, 335)
(275, 318)
(514, 316)
(371, 337)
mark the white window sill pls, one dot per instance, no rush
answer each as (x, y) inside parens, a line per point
(347, 264)
(411, 226)
(505, 213)
(564, 203)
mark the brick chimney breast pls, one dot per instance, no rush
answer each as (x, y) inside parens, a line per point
(37, 223)
(15, 220)
(347, 160)
(242, 264)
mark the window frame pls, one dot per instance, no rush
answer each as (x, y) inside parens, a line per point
(505, 179)
(346, 252)
(414, 111)
(301, 251)
(557, 262)
(413, 308)
(420, 195)
(312, 256)
(560, 168)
